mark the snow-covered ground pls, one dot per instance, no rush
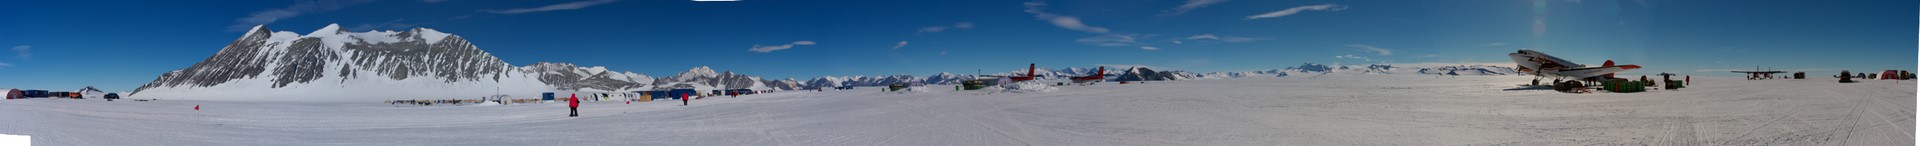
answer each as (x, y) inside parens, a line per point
(1297, 110)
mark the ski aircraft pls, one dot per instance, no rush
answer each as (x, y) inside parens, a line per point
(1098, 75)
(1028, 77)
(1543, 65)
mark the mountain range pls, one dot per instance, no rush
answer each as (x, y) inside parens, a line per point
(331, 64)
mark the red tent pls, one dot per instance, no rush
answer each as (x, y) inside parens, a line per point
(1890, 75)
(15, 94)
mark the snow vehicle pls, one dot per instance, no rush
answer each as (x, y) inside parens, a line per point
(973, 84)
(897, 87)
(1845, 77)
(1543, 65)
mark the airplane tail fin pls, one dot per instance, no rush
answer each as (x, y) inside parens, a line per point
(1030, 70)
(1102, 73)
(1608, 64)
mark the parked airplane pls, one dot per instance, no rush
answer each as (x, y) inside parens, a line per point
(1543, 65)
(1097, 76)
(1028, 77)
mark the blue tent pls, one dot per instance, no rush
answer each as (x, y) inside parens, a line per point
(36, 93)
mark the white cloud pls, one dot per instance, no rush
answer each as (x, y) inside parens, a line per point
(389, 25)
(765, 48)
(1203, 36)
(902, 44)
(555, 7)
(1178, 42)
(1149, 48)
(1071, 23)
(298, 8)
(1190, 5)
(1291, 11)
(1110, 40)
(1371, 48)
(24, 51)
(4, 64)
(1351, 56)
(1229, 39)
(1234, 39)
(934, 29)
(1496, 44)
(943, 53)
(1067, 22)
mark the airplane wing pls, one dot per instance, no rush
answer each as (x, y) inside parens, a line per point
(1594, 71)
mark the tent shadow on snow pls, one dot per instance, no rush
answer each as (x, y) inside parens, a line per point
(1529, 87)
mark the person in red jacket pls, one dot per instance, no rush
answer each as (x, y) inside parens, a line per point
(684, 99)
(573, 105)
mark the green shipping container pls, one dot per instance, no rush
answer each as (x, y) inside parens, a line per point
(1624, 86)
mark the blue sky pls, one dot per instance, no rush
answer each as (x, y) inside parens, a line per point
(118, 45)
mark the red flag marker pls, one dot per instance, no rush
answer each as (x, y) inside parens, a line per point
(196, 107)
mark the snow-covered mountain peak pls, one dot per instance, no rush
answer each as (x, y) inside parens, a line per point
(1311, 67)
(257, 29)
(89, 89)
(330, 29)
(430, 35)
(698, 72)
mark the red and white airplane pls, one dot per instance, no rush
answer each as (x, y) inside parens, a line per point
(1028, 77)
(1543, 65)
(1097, 76)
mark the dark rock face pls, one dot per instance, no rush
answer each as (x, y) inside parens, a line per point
(564, 76)
(706, 76)
(452, 59)
(785, 84)
(240, 59)
(1144, 74)
(1310, 67)
(306, 59)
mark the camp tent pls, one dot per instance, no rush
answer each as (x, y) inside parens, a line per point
(36, 93)
(15, 94)
(1890, 75)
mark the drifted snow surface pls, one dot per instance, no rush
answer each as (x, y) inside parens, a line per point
(1325, 110)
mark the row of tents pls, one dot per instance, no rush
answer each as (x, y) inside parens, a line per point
(670, 94)
(88, 92)
(1847, 77)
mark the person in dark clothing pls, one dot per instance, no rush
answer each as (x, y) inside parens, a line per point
(573, 105)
